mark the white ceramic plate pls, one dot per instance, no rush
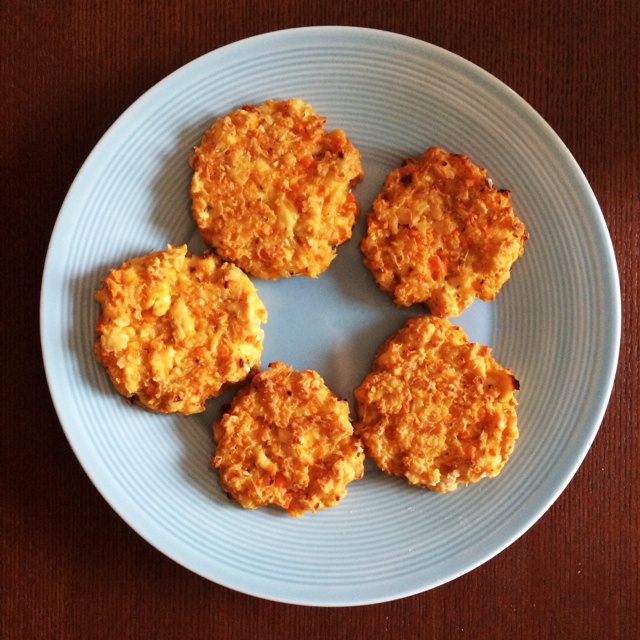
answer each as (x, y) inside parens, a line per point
(556, 323)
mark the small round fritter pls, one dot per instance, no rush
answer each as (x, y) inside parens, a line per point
(287, 440)
(441, 234)
(271, 189)
(176, 329)
(436, 408)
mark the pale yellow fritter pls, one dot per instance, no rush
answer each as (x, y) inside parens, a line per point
(271, 189)
(287, 440)
(176, 329)
(436, 408)
(441, 234)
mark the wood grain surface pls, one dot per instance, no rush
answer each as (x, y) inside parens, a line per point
(69, 566)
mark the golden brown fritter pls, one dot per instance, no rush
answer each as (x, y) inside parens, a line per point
(436, 408)
(271, 189)
(287, 440)
(176, 329)
(441, 234)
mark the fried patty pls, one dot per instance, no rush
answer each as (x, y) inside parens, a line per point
(440, 233)
(287, 440)
(436, 408)
(176, 329)
(271, 189)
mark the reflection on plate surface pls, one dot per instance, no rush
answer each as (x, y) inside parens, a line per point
(556, 323)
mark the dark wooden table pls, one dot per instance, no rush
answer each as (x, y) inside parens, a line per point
(69, 566)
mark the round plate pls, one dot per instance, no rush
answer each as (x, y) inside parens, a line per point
(556, 323)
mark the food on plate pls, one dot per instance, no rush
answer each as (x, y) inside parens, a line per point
(271, 189)
(436, 408)
(287, 440)
(177, 328)
(440, 233)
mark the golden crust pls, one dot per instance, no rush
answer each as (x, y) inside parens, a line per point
(436, 408)
(271, 189)
(441, 234)
(287, 440)
(176, 329)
